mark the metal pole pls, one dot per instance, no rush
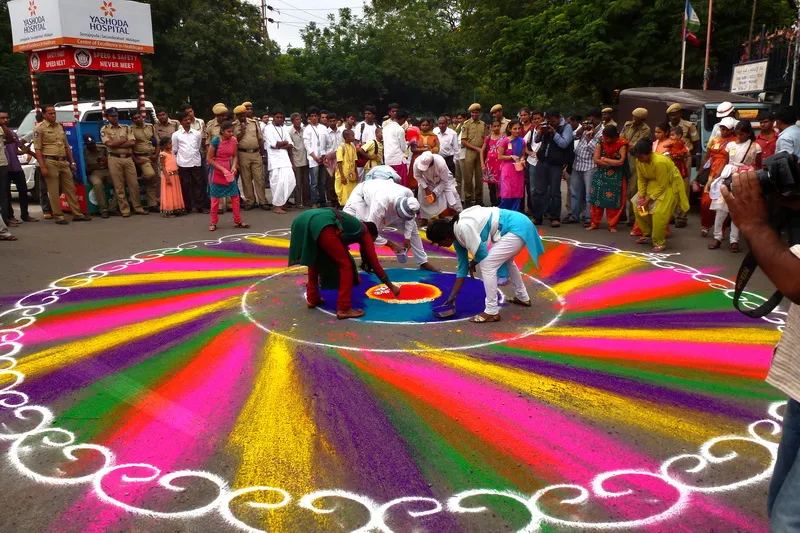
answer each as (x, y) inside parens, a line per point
(706, 73)
(794, 67)
(752, 25)
(264, 18)
(73, 90)
(101, 85)
(683, 48)
(35, 89)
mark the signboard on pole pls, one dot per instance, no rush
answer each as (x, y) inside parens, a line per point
(108, 24)
(84, 59)
(749, 77)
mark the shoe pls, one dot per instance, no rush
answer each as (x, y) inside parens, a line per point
(30, 219)
(114, 213)
(62, 221)
(538, 221)
(681, 224)
(587, 224)
(266, 208)
(141, 212)
(104, 214)
(47, 216)
(154, 209)
(249, 207)
(126, 215)
(84, 218)
(555, 224)
(569, 220)
(734, 247)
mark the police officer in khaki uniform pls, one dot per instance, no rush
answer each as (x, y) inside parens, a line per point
(213, 126)
(248, 108)
(119, 140)
(165, 126)
(497, 114)
(251, 163)
(145, 155)
(57, 164)
(634, 131)
(691, 138)
(472, 135)
(607, 114)
(96, 159)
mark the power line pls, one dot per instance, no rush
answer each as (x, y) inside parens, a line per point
(322, 8)
(303, 10)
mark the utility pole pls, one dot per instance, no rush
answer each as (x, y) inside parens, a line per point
(264, 18)
(706, 72)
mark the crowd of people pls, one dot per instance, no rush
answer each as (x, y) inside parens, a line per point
(627, 174)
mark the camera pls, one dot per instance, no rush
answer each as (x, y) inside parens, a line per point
(779, 180)
(780, 176)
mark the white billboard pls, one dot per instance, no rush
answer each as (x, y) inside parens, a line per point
(109, 24)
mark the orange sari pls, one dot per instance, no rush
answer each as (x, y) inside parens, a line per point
(429, 139)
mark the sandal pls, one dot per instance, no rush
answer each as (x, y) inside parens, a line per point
(658, 249)
(715, 245)
(517, 301)
(591, 227)
(241, 225)
(8, 238)
(62, 221)
(483, 317)
(612, 230)
(212, 227)
(555, 224)
(312, 306)
(643, 240)
(734, 247)
(704, 232)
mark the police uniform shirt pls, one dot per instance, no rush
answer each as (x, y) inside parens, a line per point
(144, 138)
(473, 132)
(252, 139)
(212, 130)
(166, 130)
(96, 159)
(50, 139)
(109, 133)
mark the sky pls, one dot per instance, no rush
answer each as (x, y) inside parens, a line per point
(292, 15)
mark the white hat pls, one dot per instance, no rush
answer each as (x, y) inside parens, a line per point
(724, 109)
(424, 161)
(406, 207)
(729, 122)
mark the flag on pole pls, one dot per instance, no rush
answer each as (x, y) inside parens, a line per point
(691, 25)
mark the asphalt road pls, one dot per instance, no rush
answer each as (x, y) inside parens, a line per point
(207, 361)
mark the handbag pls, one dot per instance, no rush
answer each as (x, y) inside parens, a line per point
(702, 177)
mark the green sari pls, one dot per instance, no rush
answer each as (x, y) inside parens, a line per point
(606, 190)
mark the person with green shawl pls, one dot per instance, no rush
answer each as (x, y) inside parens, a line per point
(320, 241)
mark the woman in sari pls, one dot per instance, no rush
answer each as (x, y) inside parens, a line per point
(427, 142)
(661, 144)
(609, 185)
(661, 190)
(716, 159)
(223, 166)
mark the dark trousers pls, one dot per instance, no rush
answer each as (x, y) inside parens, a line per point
(193, 187)
(302, 187)
(783, 503)
(330, 243)
(493, 194)
(547, 191)
(44, 198)
(5, 194)
(17, 177)
(451, 164)
(526, 206)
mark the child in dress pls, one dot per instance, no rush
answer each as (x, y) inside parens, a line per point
(677, 151)
(171, 193)
(490, 164)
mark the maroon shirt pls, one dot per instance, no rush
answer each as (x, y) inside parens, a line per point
(767, 145)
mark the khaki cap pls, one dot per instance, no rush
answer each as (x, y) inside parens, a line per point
(497, 107)
(639, 112)
(219, 109)
(245, 104)
(674, 108)
(607, 110)
(475, 107)
(239, 109)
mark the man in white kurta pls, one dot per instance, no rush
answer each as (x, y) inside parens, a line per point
(281, 175)
(386, 203)
(435, 180)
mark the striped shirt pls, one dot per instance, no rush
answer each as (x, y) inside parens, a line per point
(784, 373)
(584, 152)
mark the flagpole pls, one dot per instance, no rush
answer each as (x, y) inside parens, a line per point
(683, 51)
(706, 73)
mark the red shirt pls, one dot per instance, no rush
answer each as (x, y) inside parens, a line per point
(767, 145)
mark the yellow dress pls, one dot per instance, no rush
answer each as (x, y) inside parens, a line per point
(660, 181)
(346, 155)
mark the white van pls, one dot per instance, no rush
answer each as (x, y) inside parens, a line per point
(88, 112)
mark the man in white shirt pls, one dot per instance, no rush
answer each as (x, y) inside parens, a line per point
(313, 135)
(330, 143)
(449, 145)
(281, 175)
(394, 145)
(386, 203)
(365, 130)
(186, 145)
(461, 155)
(437, 188)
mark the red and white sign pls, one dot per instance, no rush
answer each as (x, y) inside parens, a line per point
(107, 24)
(84, 59)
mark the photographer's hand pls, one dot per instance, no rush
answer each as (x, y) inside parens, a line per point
(749, 212)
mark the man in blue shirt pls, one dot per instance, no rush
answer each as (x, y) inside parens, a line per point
(556, 150)
(789, 137)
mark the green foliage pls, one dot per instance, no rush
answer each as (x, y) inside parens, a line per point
(429, 55)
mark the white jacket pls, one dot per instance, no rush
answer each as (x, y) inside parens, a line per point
(373, 201)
